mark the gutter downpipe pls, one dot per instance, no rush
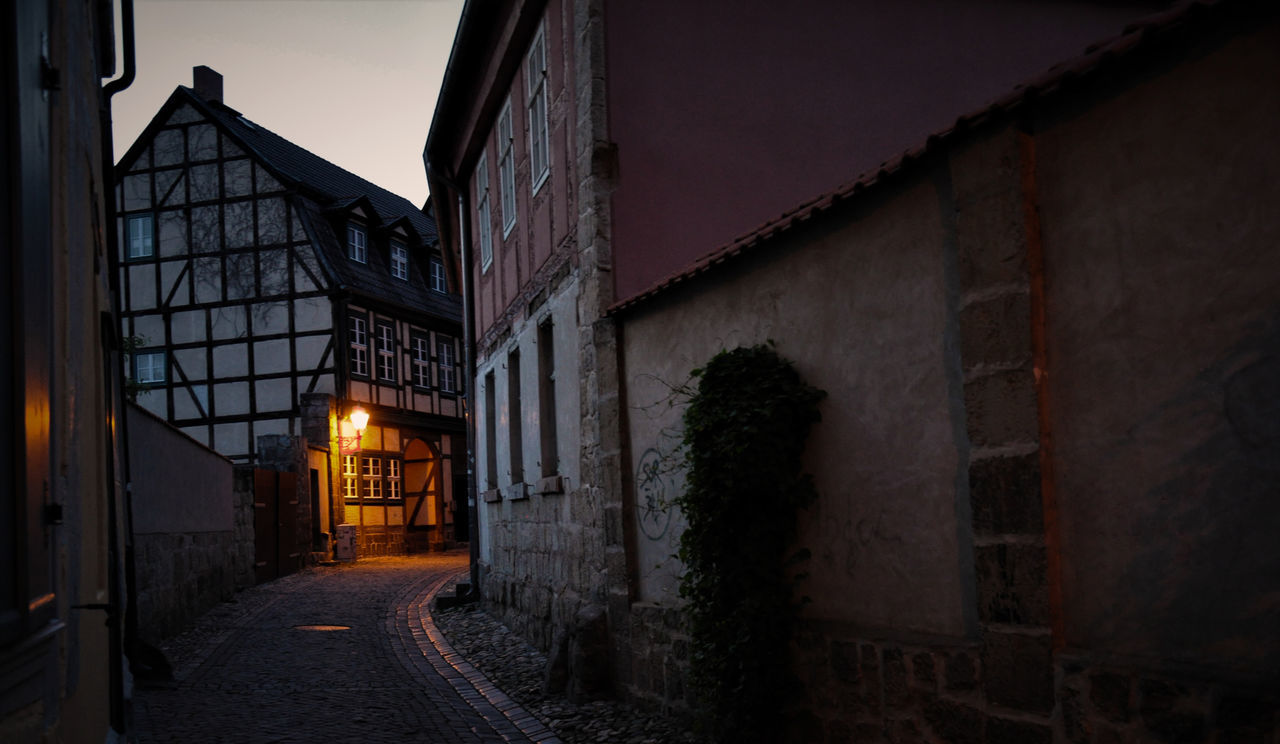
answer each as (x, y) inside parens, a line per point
(468, 363)
(117, 424)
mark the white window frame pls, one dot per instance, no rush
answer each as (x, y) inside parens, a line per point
(399, 260)
(536, 88)
(386, 337)
(483, 214)
(153, 363)
(350, 477)
(421, 347)
(506, 169)
(445, 364)
(357, 243)
(359, 344)
(435, 270)
(142, 236)
(371, 473)
(394, 491)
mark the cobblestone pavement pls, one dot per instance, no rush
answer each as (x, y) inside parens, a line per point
(251, 671)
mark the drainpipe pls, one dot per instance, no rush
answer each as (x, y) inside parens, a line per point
(118, 533)
(468, 364)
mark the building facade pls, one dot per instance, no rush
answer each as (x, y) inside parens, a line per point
(65, 616)
(269, 292)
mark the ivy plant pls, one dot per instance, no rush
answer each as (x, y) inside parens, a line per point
(745, 431)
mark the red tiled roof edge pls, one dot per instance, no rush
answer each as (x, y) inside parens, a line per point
(1052, 80)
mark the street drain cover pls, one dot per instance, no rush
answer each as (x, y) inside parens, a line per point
(322, 627)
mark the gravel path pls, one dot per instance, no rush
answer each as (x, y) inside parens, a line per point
(517, 668)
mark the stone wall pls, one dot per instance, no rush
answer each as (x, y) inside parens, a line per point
(180, 577)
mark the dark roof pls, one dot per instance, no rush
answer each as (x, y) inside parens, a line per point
(1149, 33)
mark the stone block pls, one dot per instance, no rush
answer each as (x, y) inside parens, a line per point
(1012, 584)
(997, 331)
(1017, 671)
(1241, 718)
(923, 673)
(844, 661)
(895, 679)
(955, 723)
(961, 672)
(1000, 409)
(1004, 731)
(1005, 495)
(1170, 711)
(1110, 694)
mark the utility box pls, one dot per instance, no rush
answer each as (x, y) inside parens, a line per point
(345, 542)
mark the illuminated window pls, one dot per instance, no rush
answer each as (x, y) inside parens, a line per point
(359, 341)
(421, 348)
(444, 360)
(399, 260)
(372, 477)
(506, 169)
(357, 249)
(536, 87)
(386, 352)
(141, 236)
(393, 479)
(483, 216)
(149, 367)
(437, 279)
(350, 477)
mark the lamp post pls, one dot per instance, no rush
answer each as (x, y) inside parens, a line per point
(351, 430)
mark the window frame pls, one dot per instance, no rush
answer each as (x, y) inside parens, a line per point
(136, 367)
(385, 350)
(436, 275)
(373, 477)
(536, 90)
(484, 214)
(357, 249)
(420, 361)
(358, 345)
(507, 168)
(145, 218)
(445, 344)
(399, 260)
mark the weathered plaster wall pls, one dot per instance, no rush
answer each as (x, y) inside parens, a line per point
(861, 313)
(193, 534)
(1164, 332)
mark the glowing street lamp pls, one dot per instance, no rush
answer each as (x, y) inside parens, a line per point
(351, 429)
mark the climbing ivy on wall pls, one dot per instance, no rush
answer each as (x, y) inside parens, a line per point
(745, 430)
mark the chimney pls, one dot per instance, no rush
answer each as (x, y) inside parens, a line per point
(207, 83)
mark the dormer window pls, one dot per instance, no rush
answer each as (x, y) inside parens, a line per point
(437, 279)
(399, 260)
(357, 247)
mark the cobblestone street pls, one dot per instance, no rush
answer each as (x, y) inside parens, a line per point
(332, 654)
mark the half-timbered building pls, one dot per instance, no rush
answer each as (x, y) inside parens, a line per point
(270, 292)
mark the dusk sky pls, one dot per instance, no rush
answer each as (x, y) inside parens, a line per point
(354, 81)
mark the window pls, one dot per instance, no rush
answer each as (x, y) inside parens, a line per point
(444, 359)
(506, 170)
(399, 260)
(437, 278)
(377, 477)
(483, 218)
(536, 87)
(490, 432)
(357, 249)
(350, 478)
(547, 399)
(149, 367)
(386, 352)
(141, 236)
(359, 340)
(515, 418)
(372, 477)
(421, 362)
(393, 479)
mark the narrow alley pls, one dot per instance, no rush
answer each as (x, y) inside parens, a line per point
(336, 654)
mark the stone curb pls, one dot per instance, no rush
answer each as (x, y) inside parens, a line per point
(511, 721)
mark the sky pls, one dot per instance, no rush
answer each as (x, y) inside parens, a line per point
(353, 81)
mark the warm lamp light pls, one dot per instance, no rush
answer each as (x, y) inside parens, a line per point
(359, 419)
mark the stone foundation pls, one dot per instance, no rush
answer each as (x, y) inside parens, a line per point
(181, 576)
